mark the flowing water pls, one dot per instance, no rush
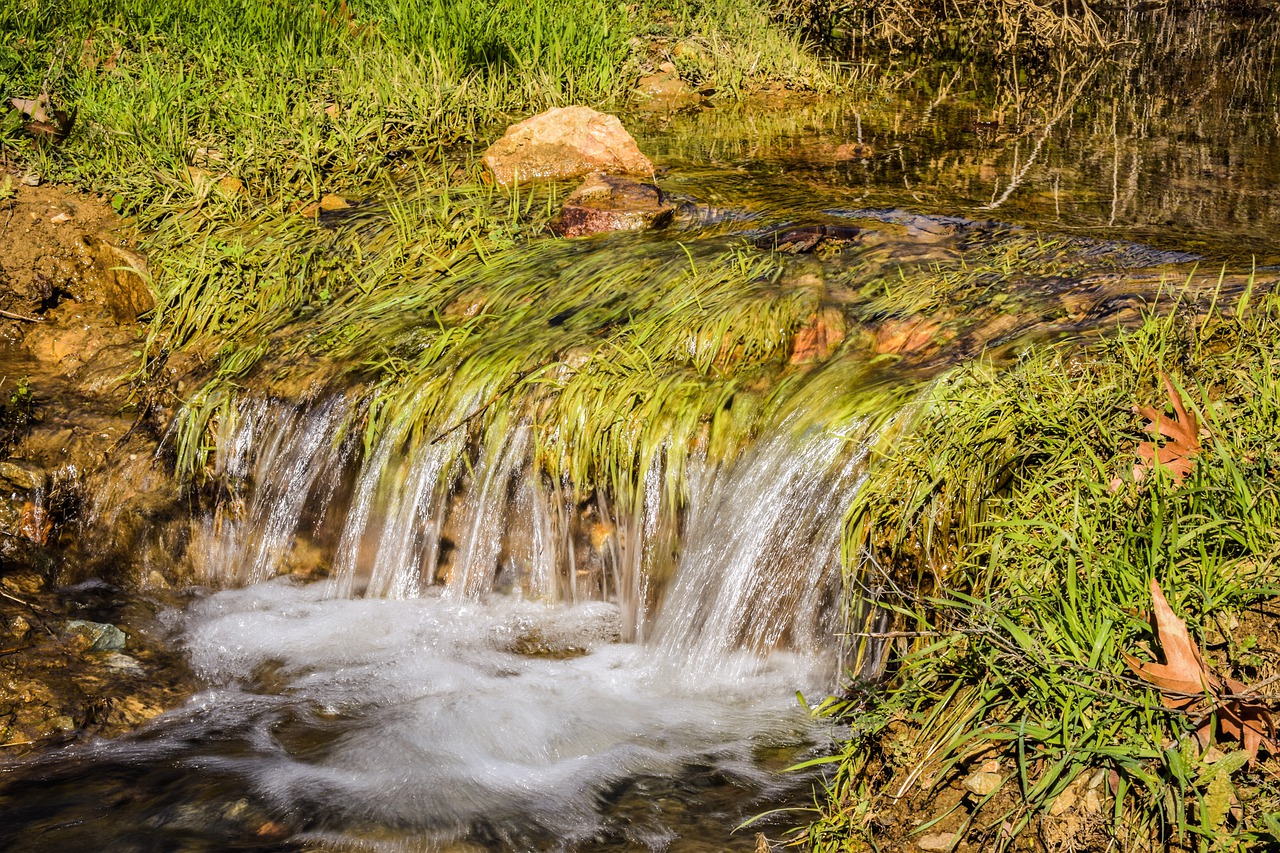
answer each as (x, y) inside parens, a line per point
(434, 645)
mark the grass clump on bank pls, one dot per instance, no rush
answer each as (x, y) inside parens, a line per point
(1006, 533)
(293, 98)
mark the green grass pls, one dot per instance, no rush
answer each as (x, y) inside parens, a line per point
(295, 97)
(1023, 574)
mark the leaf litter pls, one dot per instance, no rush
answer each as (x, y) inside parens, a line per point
(1188, 685)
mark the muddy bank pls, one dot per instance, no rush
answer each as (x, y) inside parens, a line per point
(82, 485)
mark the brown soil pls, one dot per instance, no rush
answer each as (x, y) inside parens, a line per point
(81, 489)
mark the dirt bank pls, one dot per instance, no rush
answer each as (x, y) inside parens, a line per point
(81, 483)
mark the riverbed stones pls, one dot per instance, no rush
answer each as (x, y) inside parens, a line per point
(564, 143)
(612, 203)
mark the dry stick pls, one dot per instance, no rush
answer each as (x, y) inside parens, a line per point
(520, 377)
(23, 317)
(34, 610)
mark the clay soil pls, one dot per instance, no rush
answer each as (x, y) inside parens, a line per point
(80, 480)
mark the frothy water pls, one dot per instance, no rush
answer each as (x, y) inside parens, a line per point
(419, 724)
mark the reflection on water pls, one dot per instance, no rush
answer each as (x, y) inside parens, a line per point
(1172, 140)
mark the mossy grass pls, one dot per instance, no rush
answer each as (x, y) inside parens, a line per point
(1006, 533)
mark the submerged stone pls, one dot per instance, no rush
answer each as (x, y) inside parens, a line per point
(664, 90)
(100, 636)
(610, 203)
(564, 143)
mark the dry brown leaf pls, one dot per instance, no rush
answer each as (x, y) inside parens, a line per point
(1187, 684)
(1182, 438)
(36, 109)
(47, 122)
(35, 523)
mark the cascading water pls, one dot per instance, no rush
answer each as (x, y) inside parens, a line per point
(490, 664)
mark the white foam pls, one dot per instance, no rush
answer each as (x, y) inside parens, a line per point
(417, 713)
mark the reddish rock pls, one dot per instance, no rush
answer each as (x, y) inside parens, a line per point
(910, 335)
(818, 339)
(563, 143)
(610, 203)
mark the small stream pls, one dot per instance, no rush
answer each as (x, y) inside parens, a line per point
(442, 650)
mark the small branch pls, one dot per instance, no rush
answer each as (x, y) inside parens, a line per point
(23, 317)
(520, 377)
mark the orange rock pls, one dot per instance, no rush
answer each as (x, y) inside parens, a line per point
(818, 339)
(907, 335)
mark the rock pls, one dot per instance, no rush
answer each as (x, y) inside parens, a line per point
(818, 339)
(807, 238)
(19, 476)
(610, 203)
(100, 636)
(983, 784)
(122, 662)
(666, 91)
(908, 335)
(1064, 802)
(564, 143)
(936, 843)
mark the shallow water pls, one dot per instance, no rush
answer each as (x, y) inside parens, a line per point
(381, 724)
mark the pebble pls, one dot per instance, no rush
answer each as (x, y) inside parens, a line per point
(982, 784)
(937, 843)
(123, 663)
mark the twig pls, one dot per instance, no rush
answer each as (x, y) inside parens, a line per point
(17, 743)
(443, 434)
(34, 610)
(23, 317)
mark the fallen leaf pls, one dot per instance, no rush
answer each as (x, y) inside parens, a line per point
(35, 523)
(1182, 433)
(47, 121)
(36, 109)
(231, 185)
(1186, 684)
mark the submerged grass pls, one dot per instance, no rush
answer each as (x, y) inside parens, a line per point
(213, 122)
(1018, 574)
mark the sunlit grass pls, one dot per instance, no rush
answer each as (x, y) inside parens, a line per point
(1022, 573)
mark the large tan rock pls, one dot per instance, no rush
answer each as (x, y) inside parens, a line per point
(563, 143)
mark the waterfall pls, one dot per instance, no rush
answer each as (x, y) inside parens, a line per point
(288, 458)
(750, 564)
(759, 565)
